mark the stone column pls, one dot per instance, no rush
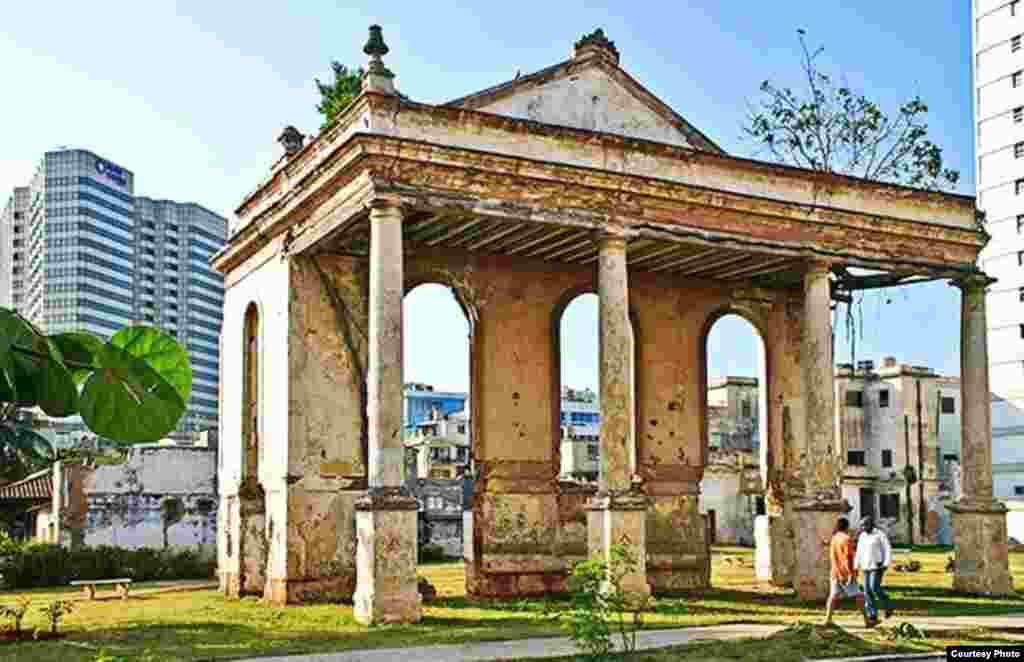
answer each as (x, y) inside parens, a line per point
(618, 514)
(979, 521)
(821, 467)
(386, 588)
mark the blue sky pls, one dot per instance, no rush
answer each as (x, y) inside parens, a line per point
(192, 95)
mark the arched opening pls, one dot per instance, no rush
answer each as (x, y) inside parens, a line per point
(736, 429)
(579, 380)
(251, 395)
(439, 459)
(579, 387)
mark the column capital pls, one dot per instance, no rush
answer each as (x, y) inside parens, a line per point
(972, 282)
(818, 265)
(385, 201)
(612, 235)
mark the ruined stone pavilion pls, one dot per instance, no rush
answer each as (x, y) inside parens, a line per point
(519, 197)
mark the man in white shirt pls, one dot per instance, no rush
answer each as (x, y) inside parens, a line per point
(874, 554)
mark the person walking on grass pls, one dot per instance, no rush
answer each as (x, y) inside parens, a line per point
(842, 578)
(874, 554)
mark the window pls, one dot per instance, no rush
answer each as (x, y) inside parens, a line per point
(1018, 490)
(950, 457)
(1020, 293)
(1020, 223)
(250, 394)
(593, 452)
(855, 398)
(867, 502)
(1015, 44)
(886, 458)
(948, 405)
(1018, 150)
(1021, 330)
(1018, 114)
(1020, 258)
(462, 428)
(855, 458)
(889, 505)
(745, 409)
(883, 398)
(1015, 78)
(759, 506)
(1018, 187)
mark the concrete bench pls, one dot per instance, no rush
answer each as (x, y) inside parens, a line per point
(90, 586)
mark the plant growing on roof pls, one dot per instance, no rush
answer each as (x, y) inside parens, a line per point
(132, 388)
(831, 127)
(337, 96)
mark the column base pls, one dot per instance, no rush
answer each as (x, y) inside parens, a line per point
(387, 590)
(621, 520)
(981, 548)
(815, 520)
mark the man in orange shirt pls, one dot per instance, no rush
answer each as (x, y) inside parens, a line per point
(842, 580)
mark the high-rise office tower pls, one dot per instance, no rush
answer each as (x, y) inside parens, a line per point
(79, 251)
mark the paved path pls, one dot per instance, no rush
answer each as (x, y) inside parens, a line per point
(526, 648)
(491, 651)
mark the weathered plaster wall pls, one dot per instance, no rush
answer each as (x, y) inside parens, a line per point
(262, 281)
(589, 99)
(161, 497)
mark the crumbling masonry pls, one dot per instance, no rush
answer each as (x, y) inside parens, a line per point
(571, 179)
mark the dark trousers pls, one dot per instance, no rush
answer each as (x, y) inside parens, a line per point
(875, 597)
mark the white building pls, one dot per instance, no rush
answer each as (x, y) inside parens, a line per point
(999, 144)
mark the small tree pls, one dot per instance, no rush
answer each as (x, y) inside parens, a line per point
(601, 607)
(55, 611)
(336, 97)
(16, 612)
(132, 388)
(833, 128)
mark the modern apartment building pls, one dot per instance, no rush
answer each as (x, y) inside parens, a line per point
(999, 143)
(12, 245)
(80, 251)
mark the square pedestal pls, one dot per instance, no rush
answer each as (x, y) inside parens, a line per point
(386, 585)
(815, 522)
(981, 548)
(773, 550)
(621, 520)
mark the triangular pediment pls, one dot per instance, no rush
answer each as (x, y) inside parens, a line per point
(593, 94)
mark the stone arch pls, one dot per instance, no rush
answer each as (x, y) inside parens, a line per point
(557, 313)
(758, 321)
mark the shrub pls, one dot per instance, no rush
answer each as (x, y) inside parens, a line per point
(431, 552)
(37, 566)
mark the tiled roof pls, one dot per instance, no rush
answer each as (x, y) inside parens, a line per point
(37, 486)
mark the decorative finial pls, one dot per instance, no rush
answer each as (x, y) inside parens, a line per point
(375, 46)
(291, 139)
(377, 77)
(596, 43)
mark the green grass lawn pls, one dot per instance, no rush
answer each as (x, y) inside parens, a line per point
(201, 624)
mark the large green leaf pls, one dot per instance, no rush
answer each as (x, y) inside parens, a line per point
(127, 400)
(161, 352)
(56, 391)
(79, 351)
(23, 353)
